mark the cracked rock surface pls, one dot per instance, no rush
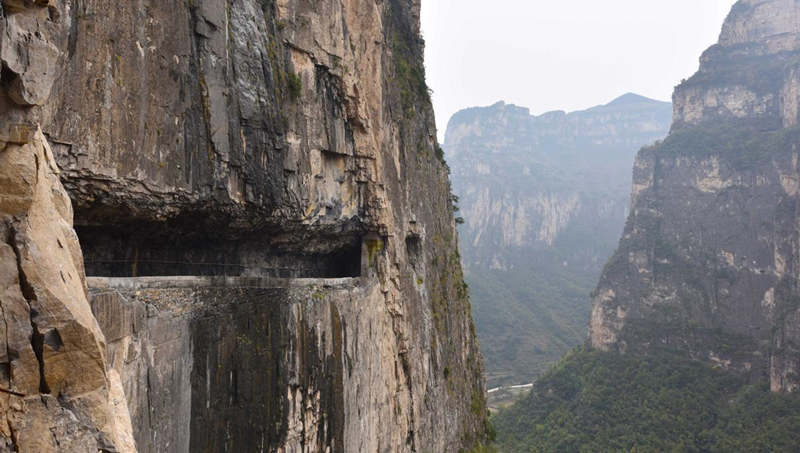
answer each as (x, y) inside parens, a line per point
(54, 354)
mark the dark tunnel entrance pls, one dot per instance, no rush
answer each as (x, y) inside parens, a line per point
(147, 252)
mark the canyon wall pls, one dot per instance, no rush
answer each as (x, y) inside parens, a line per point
(544, 200)
(708, 263)
(273, 166)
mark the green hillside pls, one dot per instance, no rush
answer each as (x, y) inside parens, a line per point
(595, 401)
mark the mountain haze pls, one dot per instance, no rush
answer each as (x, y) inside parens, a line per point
(544, 199)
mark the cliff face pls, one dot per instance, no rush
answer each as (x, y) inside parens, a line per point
(708, 260)
(54, 375)
(270, 144)
(751, 74)
(544, 199)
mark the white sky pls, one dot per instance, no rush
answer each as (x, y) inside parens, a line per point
(562, 54)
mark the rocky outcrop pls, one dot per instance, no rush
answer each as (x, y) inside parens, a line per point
(772, 24)
(58, 394)
(708, 261)
(28, 58)
(544, 199)
(751, 73)
(264, 140)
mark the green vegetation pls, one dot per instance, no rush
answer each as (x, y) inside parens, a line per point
(295, 84)
(481, 448)
(595, 401)
(530, 289)
(742, 143)
(439, 151)
(763, 74)
(529, 315)
(408, 75)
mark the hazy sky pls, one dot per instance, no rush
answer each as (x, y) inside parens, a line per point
(562, 54)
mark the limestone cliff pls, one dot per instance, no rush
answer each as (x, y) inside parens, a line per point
(708, 261)
(273, 164)
(544, 199)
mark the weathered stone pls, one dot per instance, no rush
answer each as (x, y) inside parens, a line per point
(751, 72)
(772, 24)
(13, 6)
(29, 57)
(19, 134)
(53, 343)
(212, 352)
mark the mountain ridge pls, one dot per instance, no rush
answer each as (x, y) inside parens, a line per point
(694, 338)
(626, 99)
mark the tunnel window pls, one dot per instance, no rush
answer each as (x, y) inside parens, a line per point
(414, 250)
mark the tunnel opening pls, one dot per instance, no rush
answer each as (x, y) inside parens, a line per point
(414, 250)
(160, 251)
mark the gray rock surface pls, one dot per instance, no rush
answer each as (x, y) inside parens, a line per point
(708, 261)
(236, 363)
(751, 73)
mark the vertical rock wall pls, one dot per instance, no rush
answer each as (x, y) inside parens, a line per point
(708, 262)
(259, 138)
(57, 393)
(253, 364)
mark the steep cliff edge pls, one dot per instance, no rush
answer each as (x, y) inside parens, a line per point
(272, 145)
(708, 263)
(544, 200)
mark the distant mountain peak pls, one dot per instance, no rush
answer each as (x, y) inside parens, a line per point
(631, 98)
